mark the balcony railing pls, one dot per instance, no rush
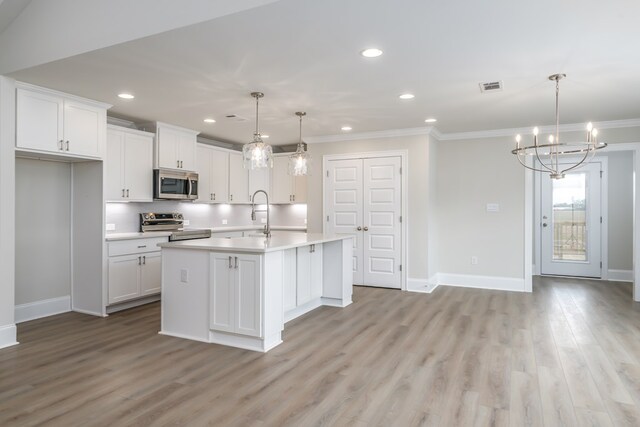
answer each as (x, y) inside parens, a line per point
(570, 241)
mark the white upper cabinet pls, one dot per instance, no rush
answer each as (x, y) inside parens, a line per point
(287, 188)
(129, 165)
(213, 174)
(238, 179)
(53, 122)
(260, 179)
(175, 147)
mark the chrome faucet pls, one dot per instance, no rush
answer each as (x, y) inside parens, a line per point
(267, 228)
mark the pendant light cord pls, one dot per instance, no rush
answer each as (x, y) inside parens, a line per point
(257, 101)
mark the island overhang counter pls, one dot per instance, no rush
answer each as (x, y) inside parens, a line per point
(241, 291)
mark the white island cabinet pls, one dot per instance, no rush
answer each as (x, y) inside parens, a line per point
(240, 291)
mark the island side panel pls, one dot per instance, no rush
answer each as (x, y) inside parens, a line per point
(337, 273)
(273, 298)
(185, 294)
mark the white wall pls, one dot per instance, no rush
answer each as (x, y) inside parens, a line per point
(471, 174)
(7, 211)
(43, 230)
(418, 182)
(126, 217)
(620, 211)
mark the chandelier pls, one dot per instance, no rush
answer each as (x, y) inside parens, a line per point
(552, 157)
(299, 162)
(257, 154)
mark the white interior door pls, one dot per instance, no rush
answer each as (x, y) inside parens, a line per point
(344, 208)
(571, 223)
(382, 218)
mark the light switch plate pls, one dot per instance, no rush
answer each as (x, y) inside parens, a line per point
(184, 276)
(111, 227)
(493, 207)
(224, 222)
(185, 222)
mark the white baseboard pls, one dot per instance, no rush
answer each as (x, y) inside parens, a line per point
(8, 334)
(620, 275)
(482, 282)
(421, 285)
(44, 308)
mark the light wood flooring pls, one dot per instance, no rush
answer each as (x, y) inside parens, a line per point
(568, 354)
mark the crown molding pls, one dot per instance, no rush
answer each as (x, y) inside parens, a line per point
(569, 127)
(370, 135)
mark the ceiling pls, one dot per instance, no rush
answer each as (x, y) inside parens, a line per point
(304, 55)
(9, 10)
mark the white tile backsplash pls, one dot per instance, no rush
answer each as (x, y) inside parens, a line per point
(126, 216)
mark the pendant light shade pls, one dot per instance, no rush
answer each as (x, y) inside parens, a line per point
(300, 161)
(257, 154)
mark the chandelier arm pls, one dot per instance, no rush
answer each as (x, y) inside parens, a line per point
(528, 167)
(535, 148)
(581, 162)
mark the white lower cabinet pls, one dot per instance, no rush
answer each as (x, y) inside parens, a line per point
(308, 273)
(134, 269)
(235, 299)
(289, 279)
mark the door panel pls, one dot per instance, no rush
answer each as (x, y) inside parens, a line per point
(221, 299)
(281, 180)
(382, 209)
(168, 148)
(82, 128)
(138, 167)
(38, 121)
(150, 274)
(248, 297)
(220, 176)
(123, 278)
(238, 180)
(303, 273)
(114, 164)
(343, 201)
(570, 229)
(205, 193)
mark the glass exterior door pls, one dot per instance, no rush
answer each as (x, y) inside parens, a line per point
(571, 223)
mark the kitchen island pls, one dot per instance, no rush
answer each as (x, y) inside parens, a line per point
(240, 291)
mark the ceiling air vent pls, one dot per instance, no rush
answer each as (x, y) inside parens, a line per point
(491, 86)
(235, 118)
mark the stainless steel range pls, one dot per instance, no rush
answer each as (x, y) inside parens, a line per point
(151, 221)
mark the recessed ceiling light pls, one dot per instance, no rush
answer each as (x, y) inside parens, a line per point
(264, 136)
(431, 120)
(126, 96)
(407, 96)
(209, 120)
(371, 52)
(346, 128)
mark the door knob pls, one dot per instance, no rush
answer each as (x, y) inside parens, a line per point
(366, 228)
(359, 228)
(544, 224)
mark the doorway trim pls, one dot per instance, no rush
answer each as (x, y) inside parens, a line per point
(403, 154)
(634, 148)
(604, 213)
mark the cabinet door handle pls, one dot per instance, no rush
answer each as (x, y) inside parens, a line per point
(67, 145)
(144, 259)
(366, 228)
(178, 164)
(231, 197)
(230, 262)
(61, 144)
(236, 262)
(127, 192)
(214, 196)
(142, 246)
(210, 196)
(294, 197)
(139, 260)
(359, 228)
(123, 192)
(181, 166)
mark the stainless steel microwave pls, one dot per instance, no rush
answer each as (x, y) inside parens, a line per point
(174, 185)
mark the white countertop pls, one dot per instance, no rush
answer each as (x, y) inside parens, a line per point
(139, 235)
(254, 244)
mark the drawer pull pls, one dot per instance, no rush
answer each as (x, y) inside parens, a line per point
(142, 246)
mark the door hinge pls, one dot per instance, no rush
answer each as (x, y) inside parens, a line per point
(400, 218)
(600, 264)
(600, 220)
(327, 218)
(327, 174)
(400, 170)
(400, 267)
(600, 174)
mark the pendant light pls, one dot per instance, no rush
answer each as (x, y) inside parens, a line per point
(257, 154)
(300, 161)
(552, 156)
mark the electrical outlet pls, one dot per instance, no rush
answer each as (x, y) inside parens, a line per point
(493, 207)
(305, 221)
(184, 276)
(263, 220)
(111, 227)
(224, 222)
(474, 260)
(185, 222)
